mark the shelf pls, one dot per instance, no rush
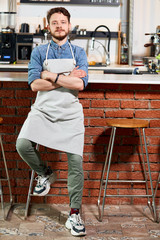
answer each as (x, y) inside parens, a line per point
(88, 34)
(80, 2)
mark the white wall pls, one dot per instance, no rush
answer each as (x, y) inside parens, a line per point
(88, 17)
(146, 19)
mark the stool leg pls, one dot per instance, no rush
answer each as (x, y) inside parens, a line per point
(29, 194)
(30, 190)
(108, 160)
(7, 174)
(2, 203)
(155, 191)
(156, 188)
(153, 208)
(144, 166)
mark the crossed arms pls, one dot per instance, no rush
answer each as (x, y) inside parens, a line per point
(47, 81)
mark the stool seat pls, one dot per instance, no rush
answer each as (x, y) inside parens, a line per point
(127, 123)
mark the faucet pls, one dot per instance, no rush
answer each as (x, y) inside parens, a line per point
(109, 38)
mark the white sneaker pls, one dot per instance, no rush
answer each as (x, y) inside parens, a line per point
(76, 225)
(43, 184)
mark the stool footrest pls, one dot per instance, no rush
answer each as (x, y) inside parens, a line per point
(127, 181)
(129, 195)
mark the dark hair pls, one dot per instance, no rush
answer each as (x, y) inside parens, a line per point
(58, 10)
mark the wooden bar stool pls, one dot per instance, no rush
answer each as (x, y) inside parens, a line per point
(4, 179)
(126, 123)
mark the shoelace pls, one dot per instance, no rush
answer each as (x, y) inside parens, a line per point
(78, 221)
(38, 179)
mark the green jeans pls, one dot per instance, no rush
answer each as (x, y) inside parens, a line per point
(27, 151)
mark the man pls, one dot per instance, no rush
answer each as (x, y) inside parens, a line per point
(57, 71)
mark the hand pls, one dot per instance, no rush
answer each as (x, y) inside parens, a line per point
(44, 75)
(78, 73)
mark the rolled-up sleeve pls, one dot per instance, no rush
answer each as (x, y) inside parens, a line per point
(34, 66)
(82, 62)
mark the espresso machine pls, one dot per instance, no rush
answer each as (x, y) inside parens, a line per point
(24, 45)
(153, 62)
(155, 42)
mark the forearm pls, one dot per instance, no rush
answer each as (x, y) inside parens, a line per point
(74, 83)
(70, 81)
(43, 85)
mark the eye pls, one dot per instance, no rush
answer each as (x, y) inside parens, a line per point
(54, 23)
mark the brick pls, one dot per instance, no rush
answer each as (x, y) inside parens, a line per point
(13, 85)
(93, 148)
(4, 93)
(93, 112)
(25, 93)
(154, 123)
(120, 95)
(97, 122)
(91, 94)
(134, 104)
(57, 200)
(105, 103)
(7, 129)
(85, 103)
(95, 193)
(155, 104)
(23, 111)
(16, 102)
(120, 113)
(7, 111)
(154, 141)
(147, 95)
(103, 86)
(16, 120)
(90, 131)
(155, 87)
(135, 87)
(147, 114)
(152, 132)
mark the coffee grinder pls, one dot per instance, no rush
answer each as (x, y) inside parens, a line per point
(7, 37)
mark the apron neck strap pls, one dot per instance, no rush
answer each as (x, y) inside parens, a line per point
(74, 61)
(47, 53)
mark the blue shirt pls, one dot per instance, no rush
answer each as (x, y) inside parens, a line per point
(38, 56)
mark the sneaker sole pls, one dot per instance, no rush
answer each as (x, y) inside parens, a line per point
(44, 192)
(69, 227)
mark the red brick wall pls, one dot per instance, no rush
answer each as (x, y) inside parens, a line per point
(100, 101)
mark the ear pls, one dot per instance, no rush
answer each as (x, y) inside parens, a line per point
(48, 27)
(70, 27)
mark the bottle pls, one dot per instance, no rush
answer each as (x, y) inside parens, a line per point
(124, 50)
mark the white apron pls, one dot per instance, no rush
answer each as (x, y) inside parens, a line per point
(56, 118)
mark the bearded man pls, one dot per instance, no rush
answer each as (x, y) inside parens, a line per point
(57, 72)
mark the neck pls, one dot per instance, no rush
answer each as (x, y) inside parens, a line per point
(60, 42)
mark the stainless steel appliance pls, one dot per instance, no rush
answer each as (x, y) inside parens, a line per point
(24, 47)
(7, 46)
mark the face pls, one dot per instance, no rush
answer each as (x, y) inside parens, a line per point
(59, 26)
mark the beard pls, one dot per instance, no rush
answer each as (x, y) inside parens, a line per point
(60, 37)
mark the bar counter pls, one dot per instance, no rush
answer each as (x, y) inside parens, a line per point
(94, 77)
(106, 96)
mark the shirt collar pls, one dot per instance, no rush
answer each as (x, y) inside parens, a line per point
(56, 46)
